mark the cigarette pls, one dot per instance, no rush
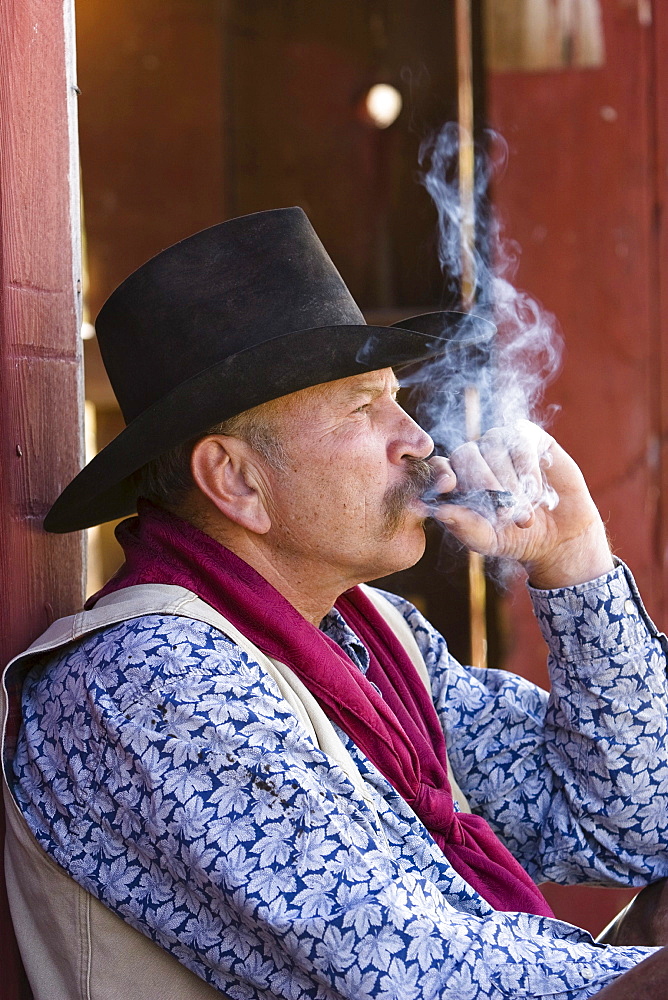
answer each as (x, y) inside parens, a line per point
(497, 499)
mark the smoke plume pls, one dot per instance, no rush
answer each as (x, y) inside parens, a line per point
(509, 369)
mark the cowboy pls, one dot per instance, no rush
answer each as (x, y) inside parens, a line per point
(242, 771)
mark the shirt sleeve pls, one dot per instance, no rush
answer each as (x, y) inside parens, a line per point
(575, 782)
(160, 766)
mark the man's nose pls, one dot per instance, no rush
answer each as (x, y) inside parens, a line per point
(411, 441)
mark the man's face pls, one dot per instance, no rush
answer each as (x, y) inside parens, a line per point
(346, 500)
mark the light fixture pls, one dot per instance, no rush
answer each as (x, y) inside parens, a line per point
(381, 105)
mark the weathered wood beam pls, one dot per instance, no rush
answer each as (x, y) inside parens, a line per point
(41, 576)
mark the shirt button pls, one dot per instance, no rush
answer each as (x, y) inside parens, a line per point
(629, 606)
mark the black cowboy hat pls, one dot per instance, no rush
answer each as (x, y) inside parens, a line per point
(236, 315)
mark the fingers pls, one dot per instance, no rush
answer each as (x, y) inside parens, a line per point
(514, 454)
(472, 469)
(444, 480)
(512, 458)
(475, 531)
(470, 518)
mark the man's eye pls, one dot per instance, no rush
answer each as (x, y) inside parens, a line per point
(362, 408)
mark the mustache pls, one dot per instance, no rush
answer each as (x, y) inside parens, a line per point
(418, 478)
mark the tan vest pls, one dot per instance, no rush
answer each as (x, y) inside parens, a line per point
(72, 946)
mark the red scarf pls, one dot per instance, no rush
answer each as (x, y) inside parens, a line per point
(398, 731)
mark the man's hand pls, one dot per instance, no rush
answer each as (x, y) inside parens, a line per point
(644, 921)
(554, 530)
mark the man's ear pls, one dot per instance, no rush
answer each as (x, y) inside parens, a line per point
(227, 472)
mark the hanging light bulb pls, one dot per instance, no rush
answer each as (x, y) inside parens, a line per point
(382, 105)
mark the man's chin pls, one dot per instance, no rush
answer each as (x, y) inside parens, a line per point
(419, 510)
(411, 514)
(401, 550)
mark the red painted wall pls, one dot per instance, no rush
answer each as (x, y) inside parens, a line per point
(151, 125)
(584, 195)
(41, 577)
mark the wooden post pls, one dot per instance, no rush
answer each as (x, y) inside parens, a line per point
(40, 350)
(476, 563)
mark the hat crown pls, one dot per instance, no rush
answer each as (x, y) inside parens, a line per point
(213, 295)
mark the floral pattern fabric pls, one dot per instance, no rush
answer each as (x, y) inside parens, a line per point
(160, 766)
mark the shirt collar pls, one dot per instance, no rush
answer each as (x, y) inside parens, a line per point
(336, 628)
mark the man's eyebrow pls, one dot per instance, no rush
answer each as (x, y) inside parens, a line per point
(373, 389)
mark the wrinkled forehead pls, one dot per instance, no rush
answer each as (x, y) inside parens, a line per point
(339, 393)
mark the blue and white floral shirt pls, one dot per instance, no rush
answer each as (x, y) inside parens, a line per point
(160, 766)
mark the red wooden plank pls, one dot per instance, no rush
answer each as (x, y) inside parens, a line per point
(40, 412)
(660, 279)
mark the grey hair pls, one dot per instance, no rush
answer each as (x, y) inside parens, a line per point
(167, 480)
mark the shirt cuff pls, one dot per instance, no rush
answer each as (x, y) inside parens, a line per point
(601, 618)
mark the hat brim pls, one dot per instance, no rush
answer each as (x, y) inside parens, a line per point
(104, 489)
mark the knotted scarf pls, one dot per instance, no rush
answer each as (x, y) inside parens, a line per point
(398, 729)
